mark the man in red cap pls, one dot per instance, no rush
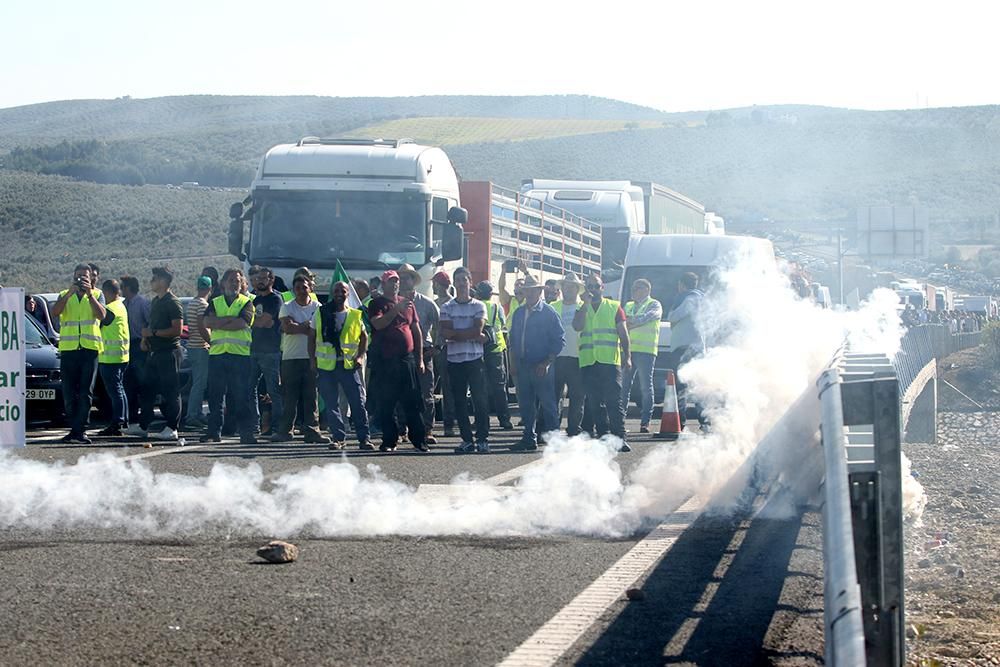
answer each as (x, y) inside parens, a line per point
(396, 363)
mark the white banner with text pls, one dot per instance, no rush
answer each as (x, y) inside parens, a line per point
(12, 378)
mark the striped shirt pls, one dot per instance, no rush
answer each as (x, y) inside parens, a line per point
(462, 316)
(195, 309)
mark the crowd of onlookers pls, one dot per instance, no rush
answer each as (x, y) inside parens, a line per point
(957, 321)
(274, 360)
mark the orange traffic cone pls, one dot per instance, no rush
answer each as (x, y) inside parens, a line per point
(670, 421)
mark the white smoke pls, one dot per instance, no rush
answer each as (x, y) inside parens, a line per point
(767, 348)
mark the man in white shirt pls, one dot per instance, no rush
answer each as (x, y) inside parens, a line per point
(568, 374)
(462, 321)
(298, 380)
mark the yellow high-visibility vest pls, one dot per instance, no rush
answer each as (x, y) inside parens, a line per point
(644, 338)
(232, 341)
(599, 338)
(79, 328)
(350, 342)
(493, 318)
(115, 335)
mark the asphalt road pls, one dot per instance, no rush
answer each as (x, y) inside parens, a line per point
(732, 590)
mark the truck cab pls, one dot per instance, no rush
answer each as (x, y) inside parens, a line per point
(372, 204)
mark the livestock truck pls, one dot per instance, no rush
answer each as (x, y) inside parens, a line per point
(374, 204)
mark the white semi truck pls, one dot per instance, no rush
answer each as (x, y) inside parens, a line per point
(625, 209)
(369, 203)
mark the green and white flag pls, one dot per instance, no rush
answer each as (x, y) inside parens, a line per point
(340, 274)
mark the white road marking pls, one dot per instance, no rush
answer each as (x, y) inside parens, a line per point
(512, 474)
(161, 452)
(561, 631)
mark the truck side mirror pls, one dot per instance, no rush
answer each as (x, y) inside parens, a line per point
(236, 211)
(458, 216)
(235, 238)
(452, 241)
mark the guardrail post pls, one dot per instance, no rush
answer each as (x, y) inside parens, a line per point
(872, 399)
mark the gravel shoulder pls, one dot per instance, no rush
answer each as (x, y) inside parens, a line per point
(952, 565)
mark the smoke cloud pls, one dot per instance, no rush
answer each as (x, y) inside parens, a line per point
(767, 347)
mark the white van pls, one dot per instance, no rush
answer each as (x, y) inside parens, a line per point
(663, 258)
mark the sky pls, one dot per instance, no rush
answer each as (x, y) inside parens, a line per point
(673, 56)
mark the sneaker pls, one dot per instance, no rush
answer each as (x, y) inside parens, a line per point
(337, 444)
(421, 447)
(430, 439)
(68, 438)
(506, 425)
(482, 447)
(266, 434)
(82, 439)
(386, 447)
(249, 440)
(644, 428)
(465, 448)
(281, 437)
(166, 434)
(524, 446)
(137, 431)
(319, 439)
(624, 447)
(112, 430)
(210, 438)
(367, 446)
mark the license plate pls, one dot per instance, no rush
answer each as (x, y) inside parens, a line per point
(40, 394)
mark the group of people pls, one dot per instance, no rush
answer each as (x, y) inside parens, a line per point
(382, 362)
(957, 321)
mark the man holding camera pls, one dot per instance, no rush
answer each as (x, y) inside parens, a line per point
(604, 353)
(80, 313)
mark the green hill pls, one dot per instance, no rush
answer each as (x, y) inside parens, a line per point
(784, 163)
(49, 224)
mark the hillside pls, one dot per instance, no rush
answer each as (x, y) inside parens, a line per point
(445, 131)
(784, 163)
(49, 224)
(818, 171)
(127, 118)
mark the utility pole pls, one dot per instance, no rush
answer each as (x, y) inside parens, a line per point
(840, 263)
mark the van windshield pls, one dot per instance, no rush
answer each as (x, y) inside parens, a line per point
(663, 280)
(317, 228)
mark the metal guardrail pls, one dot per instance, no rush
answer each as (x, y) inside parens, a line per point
(861, 440)
(863, 415)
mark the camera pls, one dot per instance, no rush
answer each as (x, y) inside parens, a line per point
(79, 282)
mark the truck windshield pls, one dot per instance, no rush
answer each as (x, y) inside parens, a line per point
(317, 228)
(663, 280)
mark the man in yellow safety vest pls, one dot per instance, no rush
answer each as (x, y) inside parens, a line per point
(642, 318)
(604, 354)
(80, 313)
(113, 360)
(230, 316)
(494, 355)
(338, 350)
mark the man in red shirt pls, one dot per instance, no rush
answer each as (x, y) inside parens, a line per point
(396, 362)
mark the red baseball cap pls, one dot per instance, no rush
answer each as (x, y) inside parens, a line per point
(389, 274)
(441, 278)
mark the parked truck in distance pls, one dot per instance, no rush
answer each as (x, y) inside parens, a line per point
(371, 204)
(624, 209)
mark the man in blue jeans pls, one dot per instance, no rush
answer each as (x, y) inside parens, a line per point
(536, 339)
(265, 350)
(642, 319)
